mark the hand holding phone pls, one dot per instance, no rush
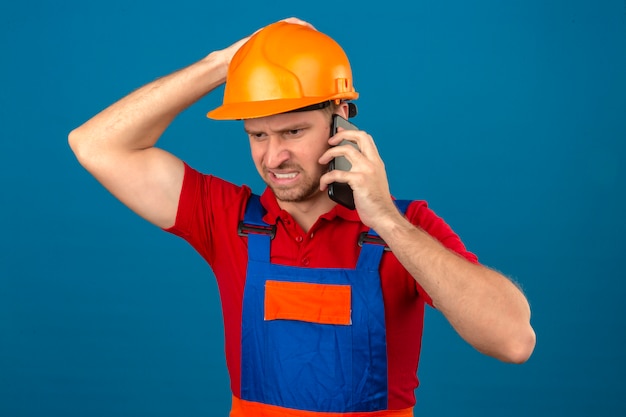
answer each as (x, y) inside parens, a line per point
(341, 192)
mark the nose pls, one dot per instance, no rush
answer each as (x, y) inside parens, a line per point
(276, 152)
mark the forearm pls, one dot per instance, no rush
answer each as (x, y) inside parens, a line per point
(484, 307)
(117, 145)
(138, 120)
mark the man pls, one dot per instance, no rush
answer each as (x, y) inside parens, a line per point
(319, 319)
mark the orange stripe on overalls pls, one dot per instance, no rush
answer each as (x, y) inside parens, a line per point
(242, 408)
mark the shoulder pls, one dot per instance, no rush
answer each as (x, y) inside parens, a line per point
(425, 218)
(203, 188)
(207, 200)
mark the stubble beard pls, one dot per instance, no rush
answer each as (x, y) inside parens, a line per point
(306, 189)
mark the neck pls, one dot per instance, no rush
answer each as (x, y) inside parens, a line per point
(306, 213)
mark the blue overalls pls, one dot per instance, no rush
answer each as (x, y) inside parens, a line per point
(312, 364)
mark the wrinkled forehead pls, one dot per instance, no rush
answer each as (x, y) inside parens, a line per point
(286, 121)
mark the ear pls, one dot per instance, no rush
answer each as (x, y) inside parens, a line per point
(343, 110)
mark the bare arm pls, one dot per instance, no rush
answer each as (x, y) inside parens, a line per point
(484, 307)
(117, 146)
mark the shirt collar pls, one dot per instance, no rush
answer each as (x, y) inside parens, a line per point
(274, 212)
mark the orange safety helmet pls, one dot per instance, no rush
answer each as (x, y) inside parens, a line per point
(281, 68)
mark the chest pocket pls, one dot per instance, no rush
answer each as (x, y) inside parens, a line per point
(314, 303)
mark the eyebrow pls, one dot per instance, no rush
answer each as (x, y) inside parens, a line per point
(287, 128)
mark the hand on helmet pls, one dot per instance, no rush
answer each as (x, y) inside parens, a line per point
(232, 49)
(298, 21)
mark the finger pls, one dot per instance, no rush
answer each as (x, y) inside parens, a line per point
(334, 176)
(342, 134)
(298, 21)
(364, 141)
(357, 136)
(349, 152)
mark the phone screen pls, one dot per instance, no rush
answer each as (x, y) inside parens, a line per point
(341, 192)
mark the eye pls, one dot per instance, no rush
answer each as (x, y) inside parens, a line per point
(294, 132)
(257, 136)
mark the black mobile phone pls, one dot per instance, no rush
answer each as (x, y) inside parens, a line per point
(341, 192)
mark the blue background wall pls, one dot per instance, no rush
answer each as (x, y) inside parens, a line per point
(508, 117)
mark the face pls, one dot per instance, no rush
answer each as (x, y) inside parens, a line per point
(285, 149)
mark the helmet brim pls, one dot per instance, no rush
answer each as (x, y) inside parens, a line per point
(256, 109)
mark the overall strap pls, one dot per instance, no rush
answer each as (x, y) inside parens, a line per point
(403, 205)
(253, 218)
(372, 245)
(258, 232)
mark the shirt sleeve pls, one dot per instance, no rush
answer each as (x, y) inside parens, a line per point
(420, 215)
(208, 207)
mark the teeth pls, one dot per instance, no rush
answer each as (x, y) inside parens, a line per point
(285, 176)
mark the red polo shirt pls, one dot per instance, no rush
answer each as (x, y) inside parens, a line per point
(208, 215)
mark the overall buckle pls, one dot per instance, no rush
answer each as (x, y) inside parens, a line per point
(244, 229)
(365, 237)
